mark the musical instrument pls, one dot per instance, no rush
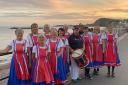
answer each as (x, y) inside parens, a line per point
(80, 58)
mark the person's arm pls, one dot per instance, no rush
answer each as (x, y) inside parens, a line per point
(29, 51)
(33, 56)
(34, 51)
(70, 40)
(67, 48)
(7, 49)
(60, 48)
(71, 50)
(49, 51)
(116, 37)
(68, 54)
(104, 41)
(104, 45)
(60, 52)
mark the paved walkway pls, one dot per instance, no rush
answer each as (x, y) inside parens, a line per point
(121, 72)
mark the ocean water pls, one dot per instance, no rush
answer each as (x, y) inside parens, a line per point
(7, 35)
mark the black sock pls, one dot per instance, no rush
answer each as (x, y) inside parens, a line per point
(94, 69)
(108, 69)
(113, 68)
(98, 69)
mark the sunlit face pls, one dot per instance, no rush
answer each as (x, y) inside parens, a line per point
(66, 29)
(96, 30)
(19, 35)
(76, 31)
(34, 30)
(54, 33)
(110, 29)
(46, 29)
(61, 33)
(41, 40)
(80, 29)
(85, 30)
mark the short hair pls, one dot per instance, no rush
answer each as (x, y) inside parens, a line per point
(34, 25)
(65, 26)
(54, 30)
(46, 25)
(91, 29)
(19, 30)
(85, 28)
(75, 27)
(81, 26)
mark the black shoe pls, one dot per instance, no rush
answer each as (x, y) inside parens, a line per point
(79, 78)
(113, 75)
(74, 81)
(96, 73)
(89, 77)
(108, 75)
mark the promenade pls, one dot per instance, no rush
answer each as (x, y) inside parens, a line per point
(121, 72)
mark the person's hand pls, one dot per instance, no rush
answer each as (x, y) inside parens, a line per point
(71, 50)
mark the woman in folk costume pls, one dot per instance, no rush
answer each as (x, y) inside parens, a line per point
(19, 74)
(88, 52)
(102, 34)
(97, 50)
(47, 31)
(42, 73)
(32, 40)
(56, 59)
(61, 33)
(111, 58)
(67, 34)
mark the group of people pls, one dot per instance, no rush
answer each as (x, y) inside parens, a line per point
(100, 49)
(47, 58)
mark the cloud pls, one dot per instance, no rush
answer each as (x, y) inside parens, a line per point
(60, 11)
(117, 10)
(21, 3)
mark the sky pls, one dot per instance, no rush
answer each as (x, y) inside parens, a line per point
(25, 12)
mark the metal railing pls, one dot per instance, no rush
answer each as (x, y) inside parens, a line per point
(5, 53)
(6, 77)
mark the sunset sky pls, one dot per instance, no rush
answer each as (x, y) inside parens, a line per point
(25, 12)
